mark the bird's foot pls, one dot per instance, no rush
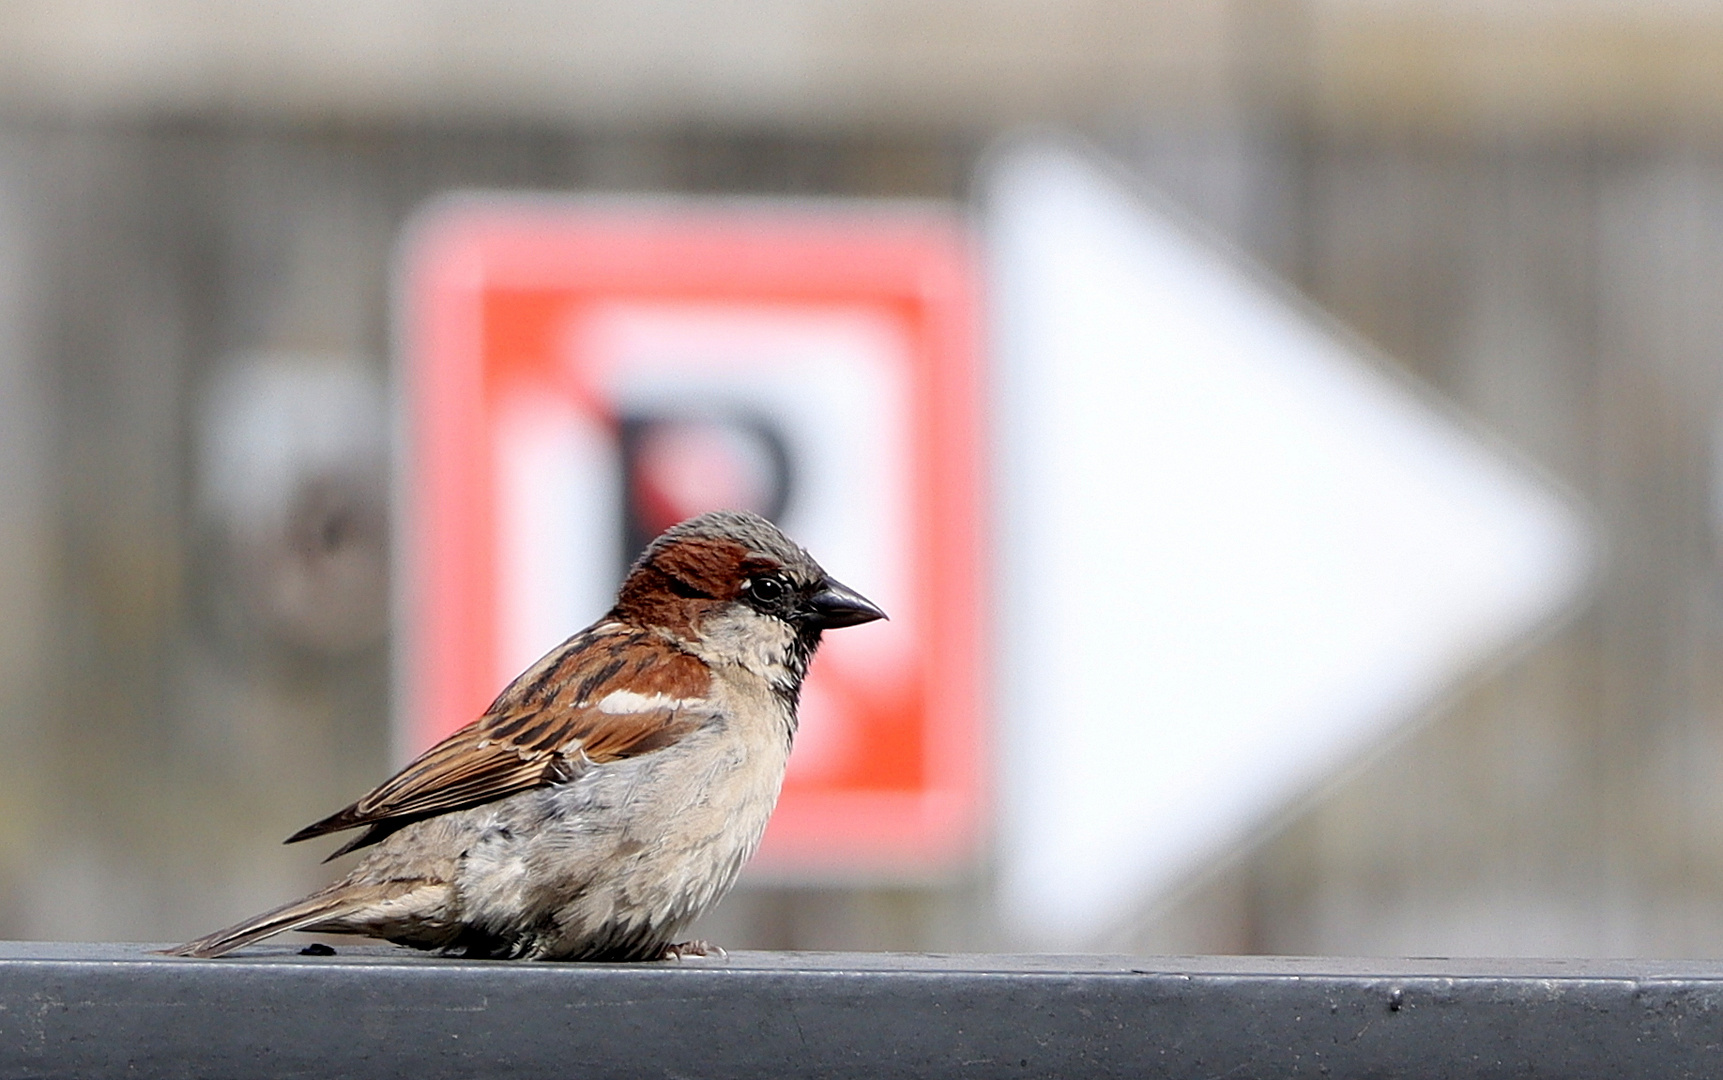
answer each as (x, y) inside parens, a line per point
(691, 948)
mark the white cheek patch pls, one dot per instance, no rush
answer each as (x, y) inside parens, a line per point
(628, 703)
(741, 635)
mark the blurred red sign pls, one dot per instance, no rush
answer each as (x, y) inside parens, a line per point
(580, 374)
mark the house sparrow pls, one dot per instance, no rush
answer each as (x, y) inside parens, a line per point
(614, 790)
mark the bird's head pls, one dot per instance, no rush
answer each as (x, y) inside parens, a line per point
(734, 589)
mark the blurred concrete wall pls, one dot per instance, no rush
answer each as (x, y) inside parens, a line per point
(1524, 204)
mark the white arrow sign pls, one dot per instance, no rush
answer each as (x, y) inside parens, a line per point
(1236, 551)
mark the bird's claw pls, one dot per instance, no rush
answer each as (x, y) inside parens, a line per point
(683, 949)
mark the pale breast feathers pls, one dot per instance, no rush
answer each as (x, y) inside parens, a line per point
(607, 693)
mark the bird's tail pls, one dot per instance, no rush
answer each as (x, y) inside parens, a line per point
(330, 903)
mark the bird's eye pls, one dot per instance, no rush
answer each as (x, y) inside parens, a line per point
(766, 590)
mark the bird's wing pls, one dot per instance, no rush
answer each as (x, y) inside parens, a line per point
(609, 692)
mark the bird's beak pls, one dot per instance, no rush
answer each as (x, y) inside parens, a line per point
(838, 605)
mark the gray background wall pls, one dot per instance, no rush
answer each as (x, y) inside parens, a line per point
(1523, 206)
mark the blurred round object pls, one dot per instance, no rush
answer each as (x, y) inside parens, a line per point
(293, 475)
(680, 466)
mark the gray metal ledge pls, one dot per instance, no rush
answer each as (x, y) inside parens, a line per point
(93, 1011)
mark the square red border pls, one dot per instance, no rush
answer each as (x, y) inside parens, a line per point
(917, 260)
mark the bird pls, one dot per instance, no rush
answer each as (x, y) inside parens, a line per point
(614, 790)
